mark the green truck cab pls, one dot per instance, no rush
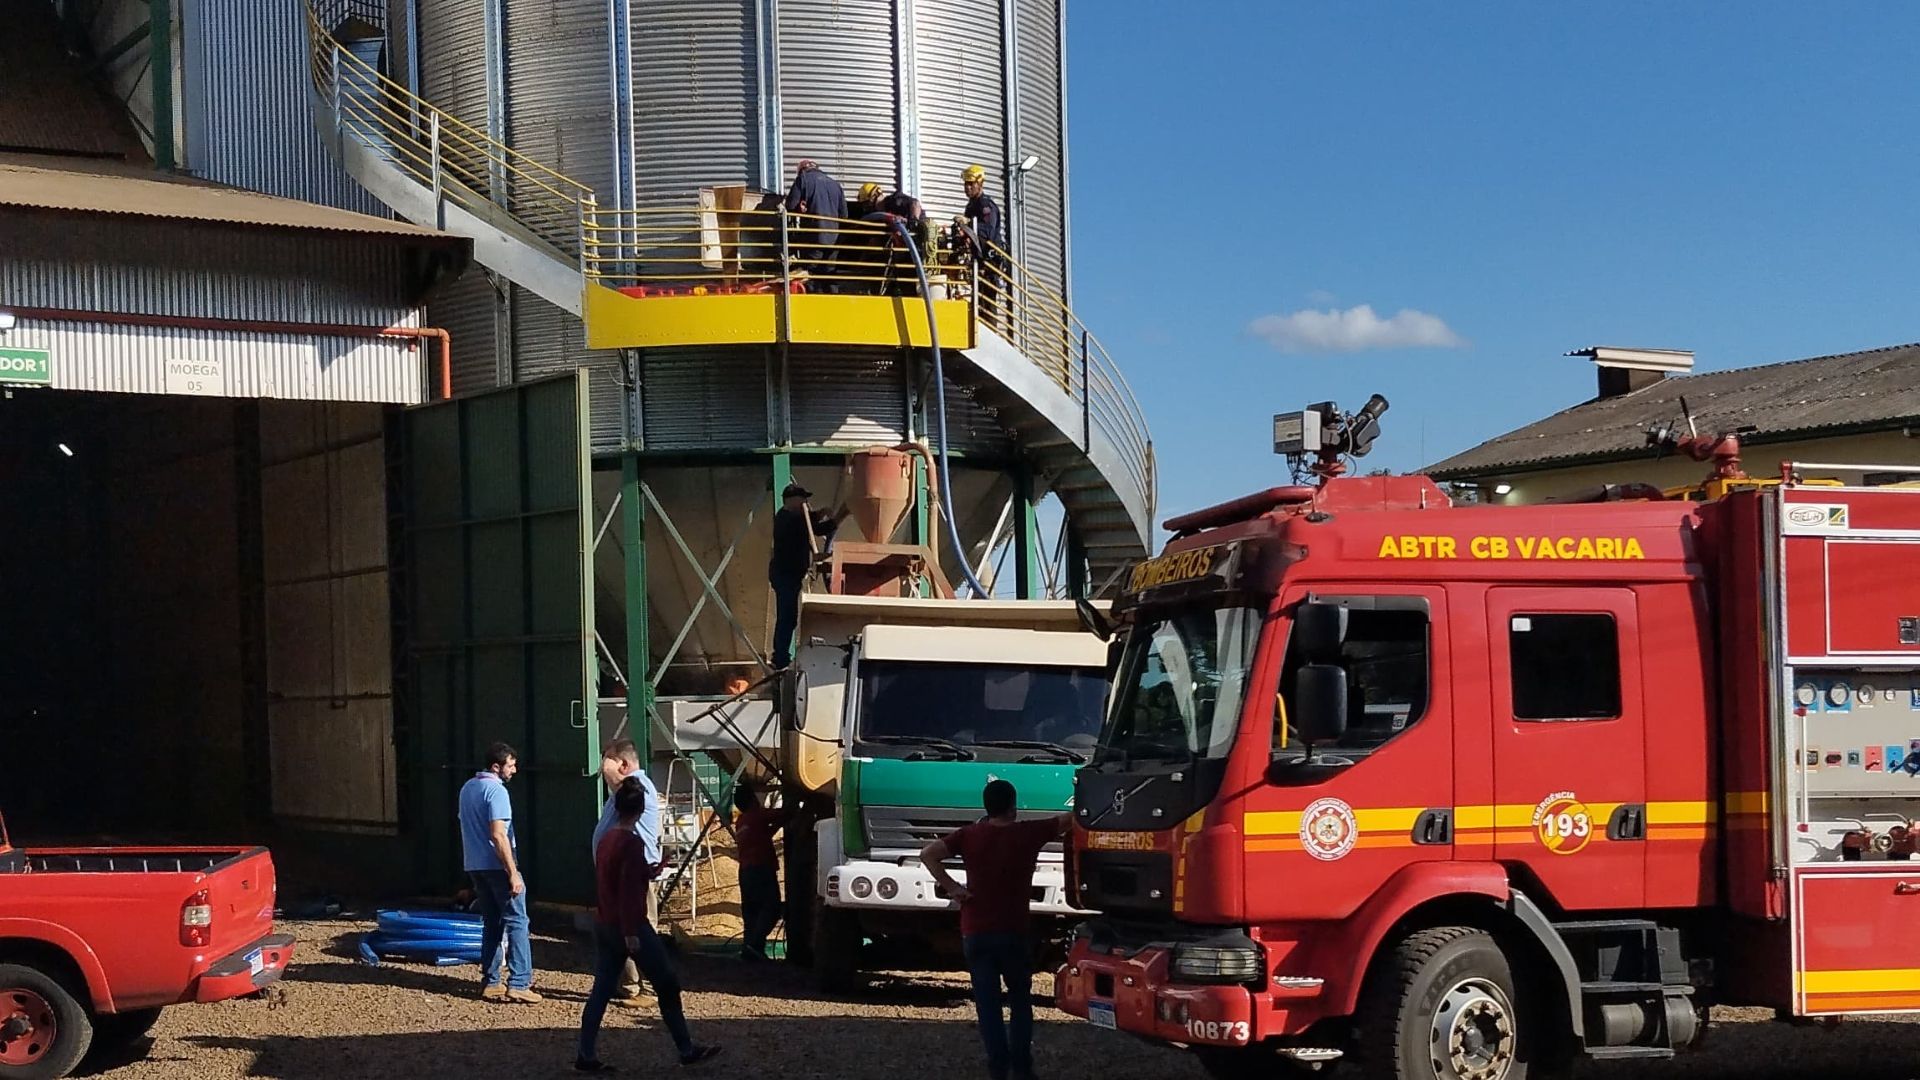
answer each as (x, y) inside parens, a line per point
(902, 711)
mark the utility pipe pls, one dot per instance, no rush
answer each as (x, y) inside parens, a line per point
(253, 326)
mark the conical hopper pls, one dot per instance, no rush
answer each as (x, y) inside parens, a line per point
(879, 491)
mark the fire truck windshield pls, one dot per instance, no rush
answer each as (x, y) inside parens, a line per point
(1179, 686)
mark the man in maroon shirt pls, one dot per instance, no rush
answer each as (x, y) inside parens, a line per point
(622, 874)
(753, 828)
(998, 853)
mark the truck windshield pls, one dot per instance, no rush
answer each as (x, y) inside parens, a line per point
(1012, 711)
(1180, 684)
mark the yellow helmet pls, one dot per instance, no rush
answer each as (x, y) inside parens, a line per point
(869, 192)
(975, 174)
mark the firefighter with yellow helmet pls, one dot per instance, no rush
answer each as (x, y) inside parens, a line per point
(989, 237)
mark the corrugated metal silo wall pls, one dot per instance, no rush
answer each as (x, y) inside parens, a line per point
(248, 110)
(1043, 199)
(957, 57)
(704, 399)
(847, 397)
(695, 98)
(839, 90)
(559, 112)
(453, 76)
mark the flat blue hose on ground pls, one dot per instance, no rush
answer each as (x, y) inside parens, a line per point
(940, 411)
(436, 937)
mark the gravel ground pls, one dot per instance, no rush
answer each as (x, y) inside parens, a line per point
(340, 1019)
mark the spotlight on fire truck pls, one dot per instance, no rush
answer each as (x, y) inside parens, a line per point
(1326, 435)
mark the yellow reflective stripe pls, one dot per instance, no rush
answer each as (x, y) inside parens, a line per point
(1746, 802)
(1867, 981)
(1272, 823)
(1366, 819)
(1681, 813)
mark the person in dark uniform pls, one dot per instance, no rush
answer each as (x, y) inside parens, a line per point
(754, 826)
(863, 249)
(795, 525)
(989, 241)
(814, 238)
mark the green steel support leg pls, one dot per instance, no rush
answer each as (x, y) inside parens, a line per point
(160, 26)
(633, 513)
(923, 513)
(1077, 585)
(782, 475)
(1028, 579)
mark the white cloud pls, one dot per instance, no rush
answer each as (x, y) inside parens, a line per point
(1357, 329)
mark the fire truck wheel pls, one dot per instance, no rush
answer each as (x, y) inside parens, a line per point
(1442, 1006)
(44, 1030)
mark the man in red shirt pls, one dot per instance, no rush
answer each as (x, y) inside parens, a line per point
(623, 874)
(998, 853)
(754, 828)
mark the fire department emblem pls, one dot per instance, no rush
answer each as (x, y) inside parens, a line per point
(1327, 829)
(1563, 823)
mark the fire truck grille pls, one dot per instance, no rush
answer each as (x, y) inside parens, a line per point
(1137, 881)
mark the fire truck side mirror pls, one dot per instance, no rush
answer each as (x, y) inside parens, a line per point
(1319, 630)
(1320, 703)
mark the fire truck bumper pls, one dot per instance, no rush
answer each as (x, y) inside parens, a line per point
(1135, 994)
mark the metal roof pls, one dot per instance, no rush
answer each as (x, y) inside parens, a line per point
(87, 187)
(1869, 390)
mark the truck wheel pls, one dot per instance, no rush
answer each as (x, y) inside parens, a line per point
(122, 1028)
(1442, 1006)
(837, 942)
(44, 1030)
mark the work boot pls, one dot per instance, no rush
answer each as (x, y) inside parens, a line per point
(698, 1054)
(638, 997)
(493, 992)
(523, 996)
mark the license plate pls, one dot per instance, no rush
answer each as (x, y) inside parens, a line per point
(1100, 1014)
(256, 962)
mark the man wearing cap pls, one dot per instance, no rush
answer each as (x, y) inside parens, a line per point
(795, 526)
(817, 197)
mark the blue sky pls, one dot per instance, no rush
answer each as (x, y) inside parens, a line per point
(1743, 181)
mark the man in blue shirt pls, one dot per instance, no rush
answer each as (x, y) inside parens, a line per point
(620, 760)
(489, 850)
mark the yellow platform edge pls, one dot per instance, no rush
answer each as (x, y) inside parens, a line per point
(616, 321)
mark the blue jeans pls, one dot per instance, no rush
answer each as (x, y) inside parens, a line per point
(994, 961)
(609, 957)
(759, 905)
(786, 615)
(505, 916)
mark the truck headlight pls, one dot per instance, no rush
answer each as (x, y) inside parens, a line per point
(1216, 964)
(888, 888)
(862, 887)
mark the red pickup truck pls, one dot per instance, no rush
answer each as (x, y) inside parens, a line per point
(94, 942)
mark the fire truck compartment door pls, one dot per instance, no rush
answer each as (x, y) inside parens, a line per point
(1569, 742)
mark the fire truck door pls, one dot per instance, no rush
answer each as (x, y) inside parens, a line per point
(1569, 742)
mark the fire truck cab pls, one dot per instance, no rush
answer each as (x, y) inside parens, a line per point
(1465, 792)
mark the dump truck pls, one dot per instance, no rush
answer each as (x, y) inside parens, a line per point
(1468, 792)
(899, 711)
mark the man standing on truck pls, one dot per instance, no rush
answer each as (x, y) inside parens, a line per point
(623, 876)
(620, 762)
(488, 847)
(795, 525)
(999, 854)
(760, 905)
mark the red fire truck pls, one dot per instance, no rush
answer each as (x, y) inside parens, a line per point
(1466, 792)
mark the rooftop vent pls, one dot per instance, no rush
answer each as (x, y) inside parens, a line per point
(1622, 371)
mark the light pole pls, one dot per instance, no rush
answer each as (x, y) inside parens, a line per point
(1016, 173)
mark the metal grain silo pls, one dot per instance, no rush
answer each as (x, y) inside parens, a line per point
(541, 127)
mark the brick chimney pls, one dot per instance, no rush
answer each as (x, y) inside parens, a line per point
(1622, 371)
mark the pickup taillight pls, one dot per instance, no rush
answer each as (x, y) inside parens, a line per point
(196, 921)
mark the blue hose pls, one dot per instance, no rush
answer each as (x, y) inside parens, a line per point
(940, 411)
(435, 937)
